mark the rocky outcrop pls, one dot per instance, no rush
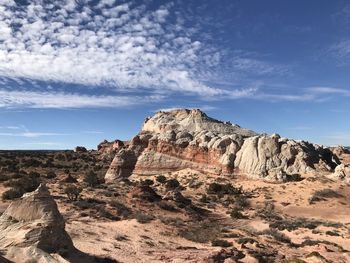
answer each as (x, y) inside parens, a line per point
(180, 139)
(107, 147)
(342, 172)
(32, 228)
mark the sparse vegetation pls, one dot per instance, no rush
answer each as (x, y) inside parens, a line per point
(201, 232)
(143, 218)
(223, 189)
(172, 184)
(321, 195)
(11, 194)
(91, 179)
(161, 179)
(221, 243)
(236, 213)
(72, 192)
(280, 237)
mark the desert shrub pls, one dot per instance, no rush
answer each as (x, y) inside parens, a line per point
(122, 209)
(121, 237)
(245, 240)
(177, 222)
(221, 243)
(276, 235)
(51, 175)
(148, 182)
(102, 212)
(222, 189)
(91, 179)
(293, 224)
(332, 233)
(309, 242)
(143, 218)
(72, 192)
(268, 212)
(236, 213)
(294, 178)
(24, 184)
(167, 206)
(323, 194)
(201, 232)
(242, 201)
(69, 179)
(11, 194)
(172, 184)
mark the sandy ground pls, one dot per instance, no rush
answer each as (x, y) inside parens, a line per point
(129, 241)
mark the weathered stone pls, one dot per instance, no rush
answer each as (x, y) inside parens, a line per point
(180, 139)
(34, 225)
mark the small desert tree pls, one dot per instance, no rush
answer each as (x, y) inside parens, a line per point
(91, 178)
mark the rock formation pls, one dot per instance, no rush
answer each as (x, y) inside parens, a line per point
(32, 228)
(179, 139)
(341, 172)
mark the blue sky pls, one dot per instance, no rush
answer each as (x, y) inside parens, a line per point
(77, 72)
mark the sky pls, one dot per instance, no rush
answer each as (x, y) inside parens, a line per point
(76, 72)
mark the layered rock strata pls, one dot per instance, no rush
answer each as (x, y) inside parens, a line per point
(180, 139)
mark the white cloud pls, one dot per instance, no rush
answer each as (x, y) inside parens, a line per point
(329, 90)
(121, 46)
(203, 108)
(10, 127)
(30, 134)
(30, 99)
(314, 94)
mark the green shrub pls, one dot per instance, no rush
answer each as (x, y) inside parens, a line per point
(91, 179)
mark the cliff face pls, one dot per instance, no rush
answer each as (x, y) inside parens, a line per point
(180, 139)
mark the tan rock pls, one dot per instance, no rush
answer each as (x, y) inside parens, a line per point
(180, 139)
(34, 225)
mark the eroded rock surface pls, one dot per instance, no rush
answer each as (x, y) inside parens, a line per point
(32, 228)
(180, 139)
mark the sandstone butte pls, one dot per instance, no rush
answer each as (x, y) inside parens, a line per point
(180, 139)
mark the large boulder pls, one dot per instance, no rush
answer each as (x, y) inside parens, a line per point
(33, 228)
(180, 139)
(342, 172)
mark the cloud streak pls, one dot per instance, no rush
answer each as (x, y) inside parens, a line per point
(59, 100)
